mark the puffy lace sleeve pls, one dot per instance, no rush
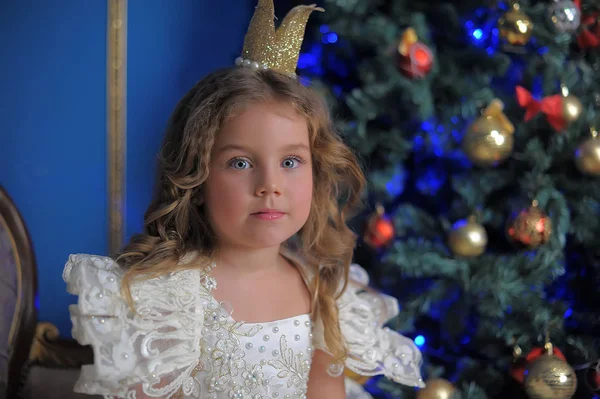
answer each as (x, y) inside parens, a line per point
(153, 352)
(373, 349)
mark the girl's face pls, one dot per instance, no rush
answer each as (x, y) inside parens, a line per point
(259, 190)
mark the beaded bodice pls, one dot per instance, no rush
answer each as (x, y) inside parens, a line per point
(253, 360)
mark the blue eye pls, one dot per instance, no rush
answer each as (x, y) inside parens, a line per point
(291, 162)
(239, 163)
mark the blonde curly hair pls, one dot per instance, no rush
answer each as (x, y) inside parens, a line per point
(176, 224)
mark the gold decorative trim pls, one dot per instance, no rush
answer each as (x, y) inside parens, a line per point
(44, 332)
(49, 350)
(16, 320)
(116, 120)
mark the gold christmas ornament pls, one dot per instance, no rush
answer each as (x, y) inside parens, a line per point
(549, 377)
(436, 388)
(489, 140)
(267, 48)
(468, 238)
(587, 156)
(361, 379)
(531, 227)
(571, 108)
(515, 26)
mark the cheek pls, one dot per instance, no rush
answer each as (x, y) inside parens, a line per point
(223, 198)
(302, 193)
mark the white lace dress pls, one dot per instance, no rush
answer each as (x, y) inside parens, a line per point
(182, 343)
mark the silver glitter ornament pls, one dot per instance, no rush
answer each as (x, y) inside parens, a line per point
(564, 16)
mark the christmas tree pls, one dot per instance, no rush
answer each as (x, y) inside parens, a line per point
(477, 125)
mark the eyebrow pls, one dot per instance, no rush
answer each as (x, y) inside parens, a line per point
(290, 147)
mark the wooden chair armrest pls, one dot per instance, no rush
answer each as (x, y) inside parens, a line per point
(49, 350)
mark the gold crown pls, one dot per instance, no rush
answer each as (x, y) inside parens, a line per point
(267, 48)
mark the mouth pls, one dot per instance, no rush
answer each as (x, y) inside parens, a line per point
(268, 215)
(268, 210)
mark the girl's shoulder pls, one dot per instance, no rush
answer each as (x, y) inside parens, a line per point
(134, 345)
(83, 272)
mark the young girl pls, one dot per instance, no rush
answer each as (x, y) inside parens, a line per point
(241, 285)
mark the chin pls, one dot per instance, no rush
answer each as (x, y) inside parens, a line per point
(267, 242)
(266, 239)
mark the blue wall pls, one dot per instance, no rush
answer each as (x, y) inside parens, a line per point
(53, 120)
(170, 48)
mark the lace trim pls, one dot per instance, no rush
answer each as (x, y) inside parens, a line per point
(372, 349)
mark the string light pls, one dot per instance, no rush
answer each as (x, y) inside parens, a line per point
(419, 340)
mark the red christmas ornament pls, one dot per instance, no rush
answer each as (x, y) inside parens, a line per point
(380, 230)
(530, 228)
(517, 370)
(593, 378)
(415, 59)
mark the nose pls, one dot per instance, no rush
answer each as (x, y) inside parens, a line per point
(268, 183)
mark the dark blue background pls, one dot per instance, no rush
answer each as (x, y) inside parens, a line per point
(53, 114)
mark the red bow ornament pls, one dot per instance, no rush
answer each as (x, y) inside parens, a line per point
(590, 31)
(589, 37)
(551, 106)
